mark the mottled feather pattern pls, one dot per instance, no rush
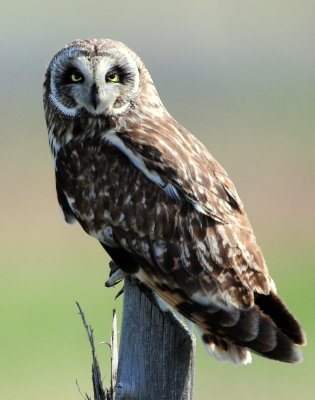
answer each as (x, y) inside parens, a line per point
(181, 158)
(180, 267)
(153, 196)
(178, 231)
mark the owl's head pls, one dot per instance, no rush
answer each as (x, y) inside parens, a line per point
(95, 77)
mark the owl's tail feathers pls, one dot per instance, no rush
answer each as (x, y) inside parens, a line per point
(223, 350)
(273, 306)
(268, 329)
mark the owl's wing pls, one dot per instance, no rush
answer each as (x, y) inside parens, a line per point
(218, 224)
(182, 166)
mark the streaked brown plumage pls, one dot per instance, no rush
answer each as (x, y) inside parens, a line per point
(159, 203)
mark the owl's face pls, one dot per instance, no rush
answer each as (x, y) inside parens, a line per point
(95, 80)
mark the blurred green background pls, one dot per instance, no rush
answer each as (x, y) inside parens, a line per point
(241, 76)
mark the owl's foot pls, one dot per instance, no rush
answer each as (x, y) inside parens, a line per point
(115, 277)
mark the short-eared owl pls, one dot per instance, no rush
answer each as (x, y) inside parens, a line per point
(162, 207)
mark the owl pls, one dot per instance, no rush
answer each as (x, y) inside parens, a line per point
(161, 206)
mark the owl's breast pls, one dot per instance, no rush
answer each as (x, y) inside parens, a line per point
(106, 192)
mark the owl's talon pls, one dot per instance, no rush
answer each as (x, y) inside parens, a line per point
(121, 291)
(115, 278)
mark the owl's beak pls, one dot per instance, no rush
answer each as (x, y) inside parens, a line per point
(94, 96)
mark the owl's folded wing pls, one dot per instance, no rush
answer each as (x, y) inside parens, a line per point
(182, 170)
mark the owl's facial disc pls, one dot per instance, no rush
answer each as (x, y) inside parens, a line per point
(100, 84)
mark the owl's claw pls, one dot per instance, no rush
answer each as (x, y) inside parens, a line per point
(120, 292)
(114, 278)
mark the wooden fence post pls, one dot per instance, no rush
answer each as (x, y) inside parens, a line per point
(156, 353)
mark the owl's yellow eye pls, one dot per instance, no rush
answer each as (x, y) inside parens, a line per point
(112, 78)
(75, 77)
